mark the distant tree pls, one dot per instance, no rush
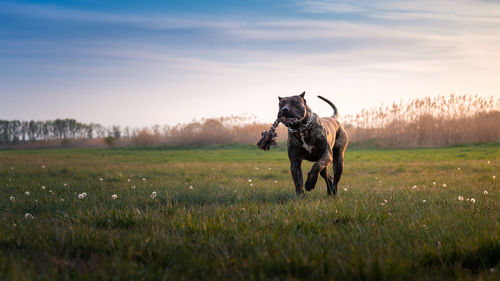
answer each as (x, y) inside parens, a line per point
(110, 141)
(116, 132)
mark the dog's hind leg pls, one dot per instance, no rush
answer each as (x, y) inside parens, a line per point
(338, 166)
(328, 179)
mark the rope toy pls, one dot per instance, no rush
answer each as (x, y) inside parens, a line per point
(268, 138)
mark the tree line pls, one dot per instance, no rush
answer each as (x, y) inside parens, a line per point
(16, 131)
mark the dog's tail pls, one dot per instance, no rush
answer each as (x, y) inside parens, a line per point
(335, 113)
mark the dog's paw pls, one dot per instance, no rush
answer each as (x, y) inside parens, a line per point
(311, 183)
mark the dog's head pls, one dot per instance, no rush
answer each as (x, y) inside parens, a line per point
(293, 110)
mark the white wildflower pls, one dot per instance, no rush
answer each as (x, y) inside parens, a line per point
(414, 187)
(275, 181)
(143, 179)
(101, 179)
(12, 198)
(444, 184)
(485, 192)
(458, 168)
(191, 187)
(62, 199)
(473, 200)
(128, 180)
(424, 201)
(43, 166)
(269, 168)
(242, 209)
(251, 184)
(434, 183)
(28, 216)
(27, 193)
(489, 161)
(494, 177)
(114, 196)
(153, 195)
(65, 184)
(345, 188)
(460, 198)
(43, 187)
(249, 180)
(133, 186)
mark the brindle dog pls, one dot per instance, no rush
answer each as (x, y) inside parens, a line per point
(320, 140)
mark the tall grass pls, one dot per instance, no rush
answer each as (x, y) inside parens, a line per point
(428, 122)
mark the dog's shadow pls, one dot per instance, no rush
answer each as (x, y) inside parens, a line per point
(227, 199)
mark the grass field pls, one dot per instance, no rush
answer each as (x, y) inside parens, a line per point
(230, 213)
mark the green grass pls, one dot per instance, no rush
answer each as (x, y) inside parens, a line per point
(377, 228)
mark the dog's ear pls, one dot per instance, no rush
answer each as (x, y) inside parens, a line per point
(303, 94)
(280, 98)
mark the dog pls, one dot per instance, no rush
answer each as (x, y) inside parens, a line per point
(319, 140)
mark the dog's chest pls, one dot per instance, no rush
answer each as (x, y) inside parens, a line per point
(305, 144)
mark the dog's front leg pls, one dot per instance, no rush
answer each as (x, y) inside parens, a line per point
(295, 166)
(312, 176)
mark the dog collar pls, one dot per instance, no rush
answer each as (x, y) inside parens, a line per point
(305, 126)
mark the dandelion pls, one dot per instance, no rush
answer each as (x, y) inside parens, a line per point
(191, 187)
(133, 186)
(242, 209)
(473, 201)
(434, 183)
(269, 169)
(444, 184)
(43, 166)
(489, 161)
(43, 187)
(275, 181)
(345, 188)
(458, 168)
(65, 184)
(12, 198)
(27, 193)
(251, 184)
(62, 200)
(460, 198)
(153, 195)
(256, 168)
(485, 192)
(80, 196)
(51, 192)
(424, 201)
(143, 179)
(494, 177)
(128, 180)
(137, 211)
(385, 201)
(101, 179)
(114, 196)
(28, 216)
(11, 168)
(414, 187)
(468, 199)
(249, 180)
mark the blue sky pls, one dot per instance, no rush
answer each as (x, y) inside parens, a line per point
(141, 63)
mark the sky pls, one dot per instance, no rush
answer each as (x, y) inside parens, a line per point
(140, 63)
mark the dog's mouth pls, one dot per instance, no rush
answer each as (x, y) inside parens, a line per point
(291, 121)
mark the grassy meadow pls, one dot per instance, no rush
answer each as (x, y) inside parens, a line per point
(230, 213)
